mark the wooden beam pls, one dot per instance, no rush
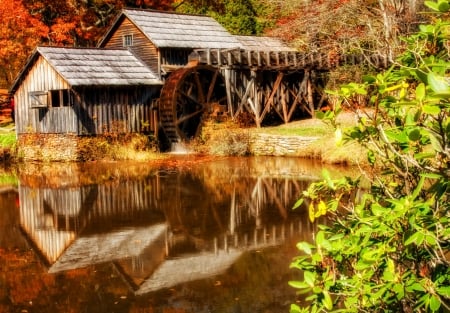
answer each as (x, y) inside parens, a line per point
(269, 101)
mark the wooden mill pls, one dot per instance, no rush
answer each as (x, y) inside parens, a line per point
(165, 71)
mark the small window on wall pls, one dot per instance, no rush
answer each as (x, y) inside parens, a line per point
(128, 40)
(38, 99)
(48, 99)
(60, 98)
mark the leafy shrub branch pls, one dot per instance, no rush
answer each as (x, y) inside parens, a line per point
(387, 249)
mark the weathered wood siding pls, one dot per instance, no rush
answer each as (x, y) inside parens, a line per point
(94, 110)
(42, 77)
(142, 46)
(101, 110)
(176, 57)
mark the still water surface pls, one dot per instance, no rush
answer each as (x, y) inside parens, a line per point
(188, 235)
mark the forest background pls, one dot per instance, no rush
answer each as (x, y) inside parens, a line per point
(328, 26)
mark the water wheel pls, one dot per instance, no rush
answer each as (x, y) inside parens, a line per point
(187, 95)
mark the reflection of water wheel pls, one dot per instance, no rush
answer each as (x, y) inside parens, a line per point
(186, 96)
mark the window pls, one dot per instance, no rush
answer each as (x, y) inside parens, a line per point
(59, 98)
(128, 40)
(38, 99)
(52, 98)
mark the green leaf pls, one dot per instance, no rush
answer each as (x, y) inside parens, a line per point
(305, 247)
(295, 309)
(416, 238)
(327, 302)
(432, 5)
(438, 83)
(415, 287)
(435, 303)
(420, 92)
(414, 135)
(371, 157)
(444, 291)
(298, 284)
(320, 237)
(309, 278)
(443, 6)
(431, 109)
(298, 203)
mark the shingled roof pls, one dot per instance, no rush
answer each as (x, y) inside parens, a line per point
(176, 30)
(92, 66)
(263, 43)
(98, 66)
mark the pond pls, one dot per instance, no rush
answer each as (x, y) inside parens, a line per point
(187, 235)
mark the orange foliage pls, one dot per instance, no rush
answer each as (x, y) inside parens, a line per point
(28, 23)
(20, 32)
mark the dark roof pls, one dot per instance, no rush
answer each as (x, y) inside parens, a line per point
(175, 30)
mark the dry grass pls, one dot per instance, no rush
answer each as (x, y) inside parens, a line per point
(227, 138)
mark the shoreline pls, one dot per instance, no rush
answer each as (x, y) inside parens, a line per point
(309, 138)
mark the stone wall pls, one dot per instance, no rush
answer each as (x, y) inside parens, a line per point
(48, 147)
(278, 145)
(68, 147)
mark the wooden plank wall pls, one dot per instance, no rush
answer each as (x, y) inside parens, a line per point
(42, 77)
(142, 46)
(117, 110)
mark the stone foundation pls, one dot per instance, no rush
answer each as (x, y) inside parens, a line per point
(278, 145)
(48, 147)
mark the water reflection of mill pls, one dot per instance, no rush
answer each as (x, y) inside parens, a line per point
(162, 229)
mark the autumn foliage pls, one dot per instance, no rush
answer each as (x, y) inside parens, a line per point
(28, 23)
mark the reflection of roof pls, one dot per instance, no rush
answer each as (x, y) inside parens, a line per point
(176, 271)
(111, 246)
(175, 30)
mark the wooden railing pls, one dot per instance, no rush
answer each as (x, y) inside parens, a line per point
(281, 59)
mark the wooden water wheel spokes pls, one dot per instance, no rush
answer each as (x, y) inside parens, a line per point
(186, 97)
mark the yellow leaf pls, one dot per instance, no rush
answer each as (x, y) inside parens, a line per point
(338, 137)
(311, 212)
(321, 209)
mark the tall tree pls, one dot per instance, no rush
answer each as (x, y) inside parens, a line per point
(243, 17)
(20, 32)
(347, 26)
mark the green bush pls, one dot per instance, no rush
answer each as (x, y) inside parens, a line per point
(387, 249)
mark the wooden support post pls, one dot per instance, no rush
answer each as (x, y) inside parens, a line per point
(228, 84)
(230, 58)
(269, 101)
(208, 56)
(219, 57)
(310, 96)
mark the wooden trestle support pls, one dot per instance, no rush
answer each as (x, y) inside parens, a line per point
(267, 85)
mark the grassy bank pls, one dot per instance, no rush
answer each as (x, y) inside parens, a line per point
(217, 138)
(325, 147)
(227, 138)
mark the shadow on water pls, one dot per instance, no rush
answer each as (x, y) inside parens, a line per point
(186, 236)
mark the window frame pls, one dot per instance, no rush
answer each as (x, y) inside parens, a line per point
(55, 98)
(127, 40)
